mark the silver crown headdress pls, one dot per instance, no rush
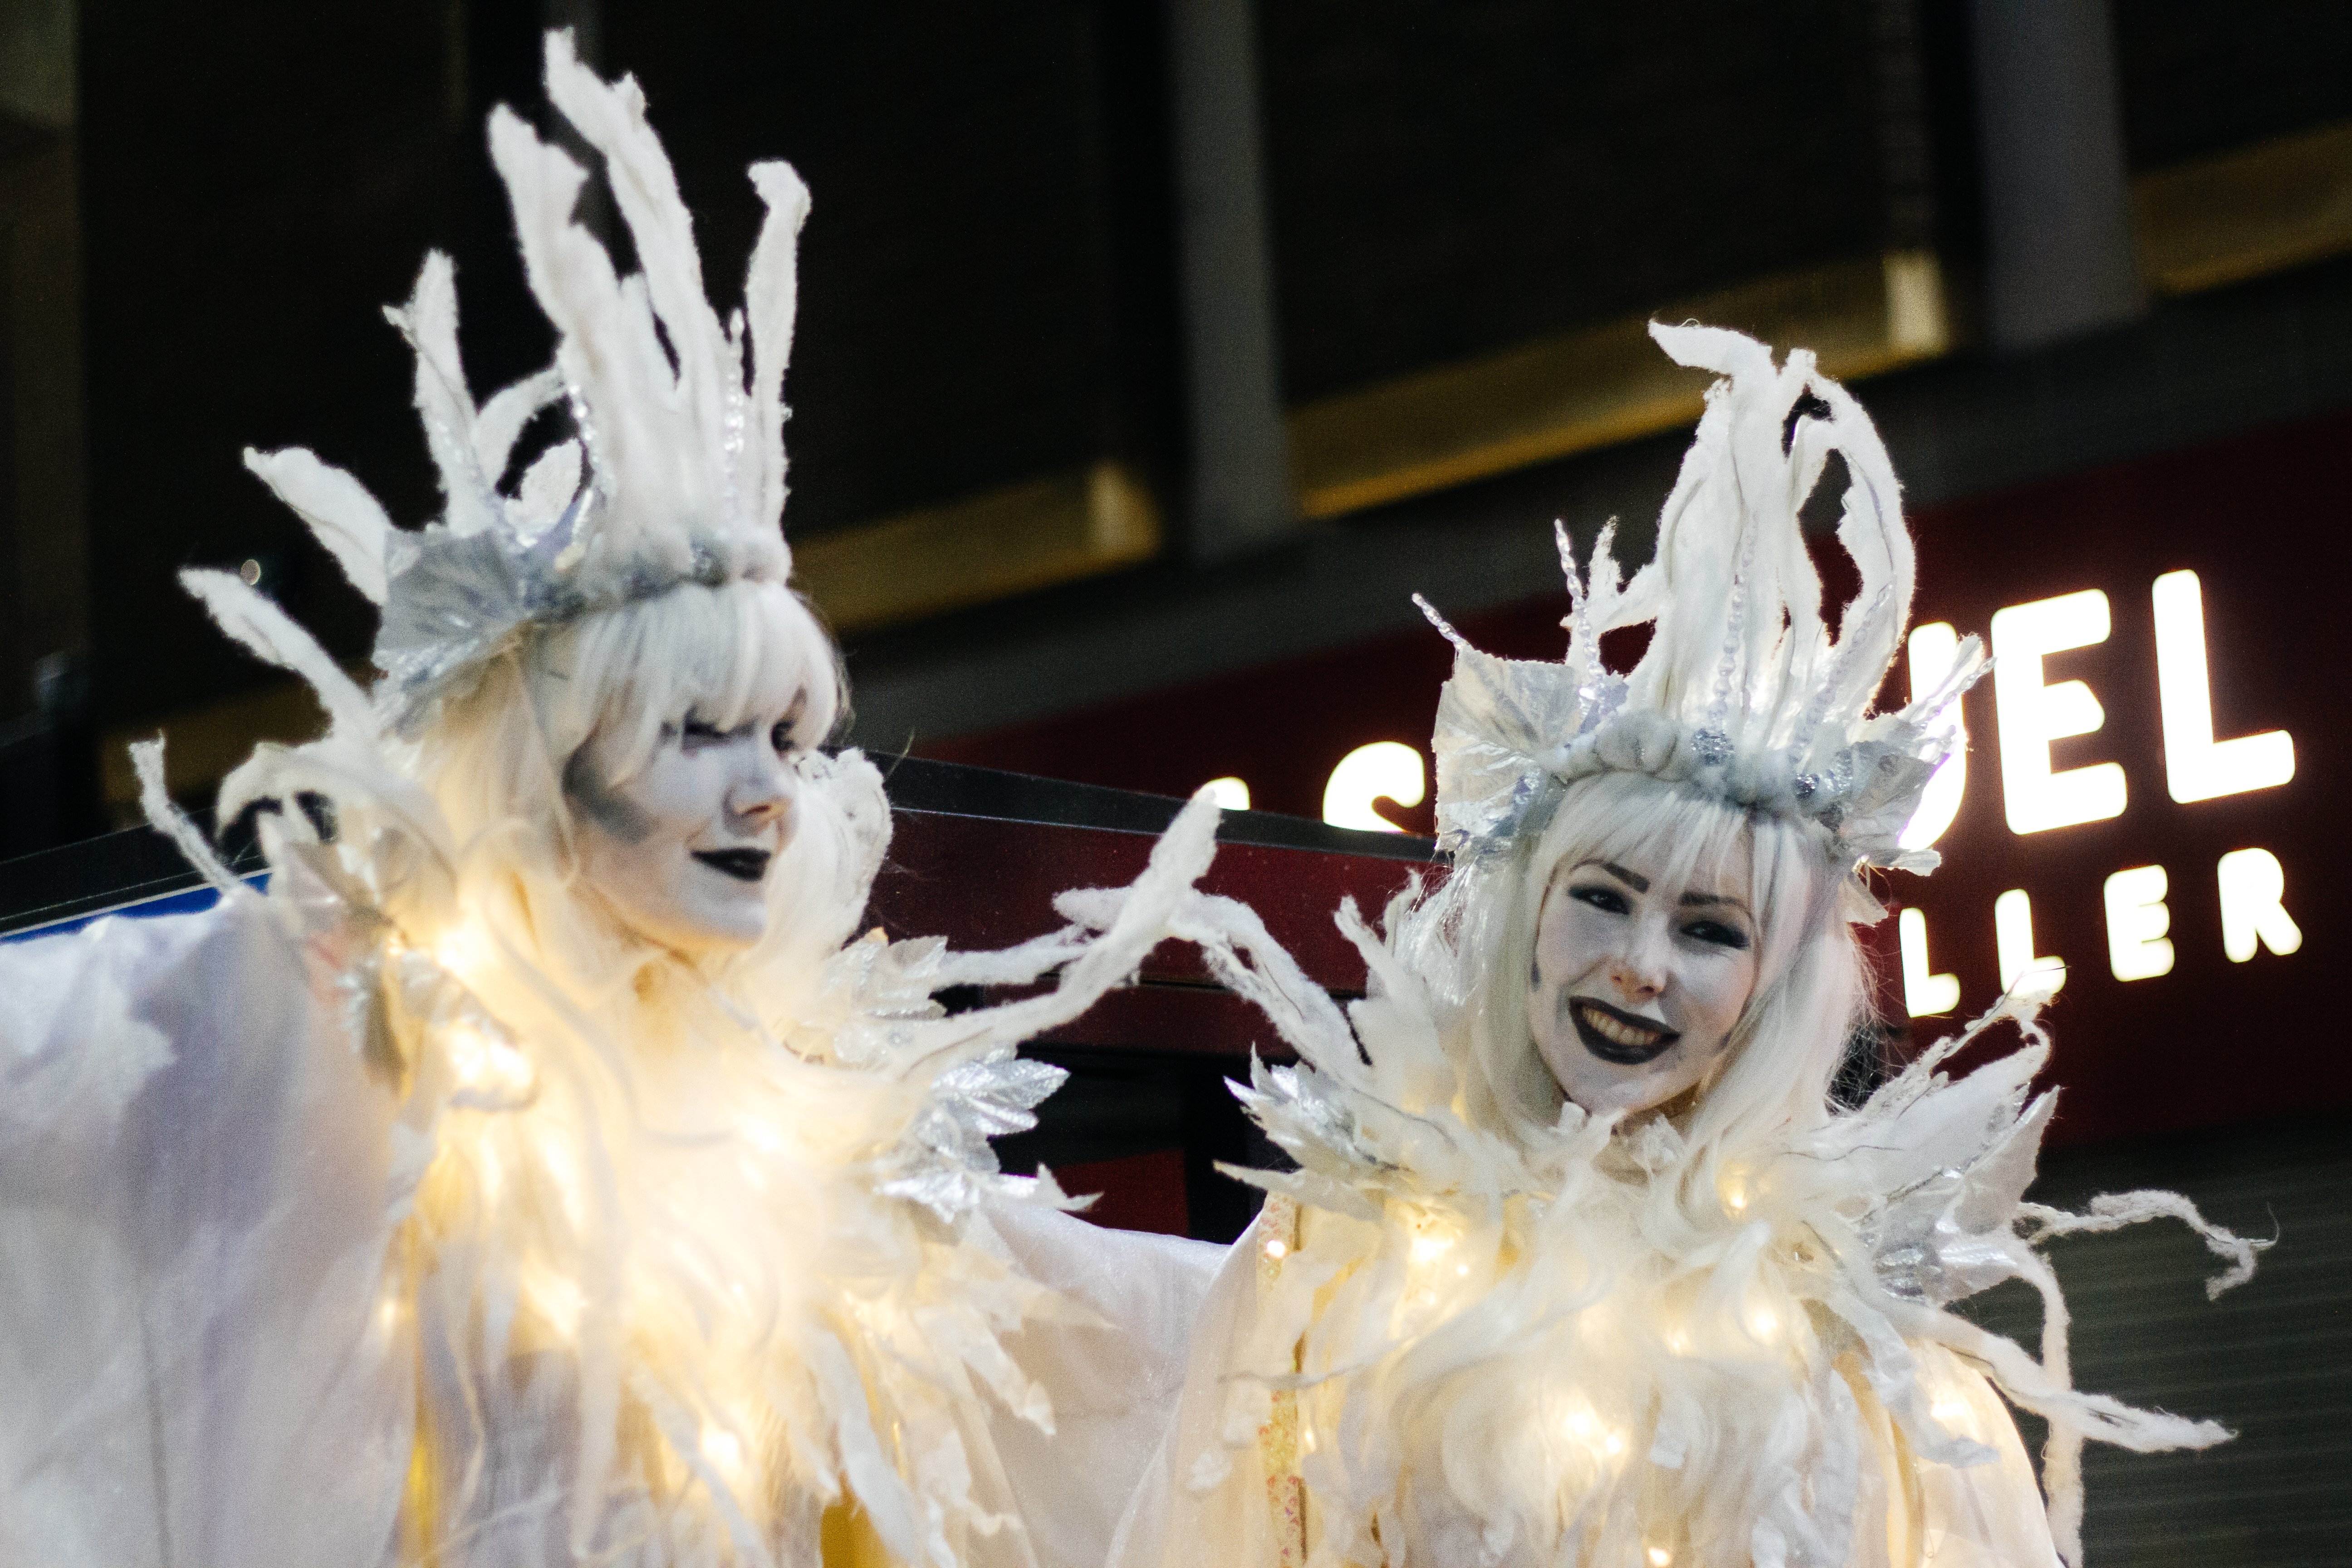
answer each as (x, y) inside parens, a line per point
(1744, 692)
(676, 473)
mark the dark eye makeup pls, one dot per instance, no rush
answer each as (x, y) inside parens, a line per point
(1601, 897)
(1718, 933)
(784, 736)
(1611, 900)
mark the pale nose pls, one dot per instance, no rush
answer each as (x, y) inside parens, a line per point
(762, 798)
(1637, 972)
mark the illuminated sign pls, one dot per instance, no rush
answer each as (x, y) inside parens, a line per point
(2035, 712)
(2032, 712)
(1230, 793)
(1384, 770)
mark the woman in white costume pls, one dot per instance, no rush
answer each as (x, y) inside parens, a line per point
(539, 1172)
(1581, 1264)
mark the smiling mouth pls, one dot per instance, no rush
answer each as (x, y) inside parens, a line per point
(1616, 1036)
(744, 865)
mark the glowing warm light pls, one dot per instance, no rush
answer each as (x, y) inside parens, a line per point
(470, 1052)
(463, 949)
(1925, 993)
(1935, 649)
(2031, 714)
(723, 1449)
(1660, 1557)
(1230, 793)
(1734, 1195)
(2196, 765)
(1430, 1249)
(2253, 906)
(484, 1062)
(560, 1168)
(1278, 1249)
(1581, 1427)
(1365, 775)
(1949, 1409)
(558, 1301)
(2136, 921)
(2022, 969)
(1763, 1323)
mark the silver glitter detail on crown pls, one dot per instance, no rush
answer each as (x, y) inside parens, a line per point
(674, 473)
(1743, 692)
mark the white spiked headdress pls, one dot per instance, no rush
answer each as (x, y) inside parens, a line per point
(676, 473)
(1744, 692)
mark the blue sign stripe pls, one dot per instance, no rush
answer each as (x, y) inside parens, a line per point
(187, 900)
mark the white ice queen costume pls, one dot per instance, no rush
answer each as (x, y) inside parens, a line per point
(409, 1213)
(1479, 1326)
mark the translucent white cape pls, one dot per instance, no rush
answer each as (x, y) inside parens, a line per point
(288, 1276)
(1440, 1346)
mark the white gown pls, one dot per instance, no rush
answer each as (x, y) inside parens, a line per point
(268, 1298)
(1441, 1346)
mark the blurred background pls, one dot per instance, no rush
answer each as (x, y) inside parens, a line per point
(1153, 351)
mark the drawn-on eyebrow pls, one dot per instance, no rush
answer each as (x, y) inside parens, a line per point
(1641, 884)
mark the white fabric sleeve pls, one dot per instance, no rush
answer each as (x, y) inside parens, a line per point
(72, 1051)
(1201, 1504)
(194, 1365)
(1114, 1386)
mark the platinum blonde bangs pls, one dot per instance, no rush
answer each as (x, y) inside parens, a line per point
(720, 656)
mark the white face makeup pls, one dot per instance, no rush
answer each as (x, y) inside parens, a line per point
(680, 849)
(1636, 987)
